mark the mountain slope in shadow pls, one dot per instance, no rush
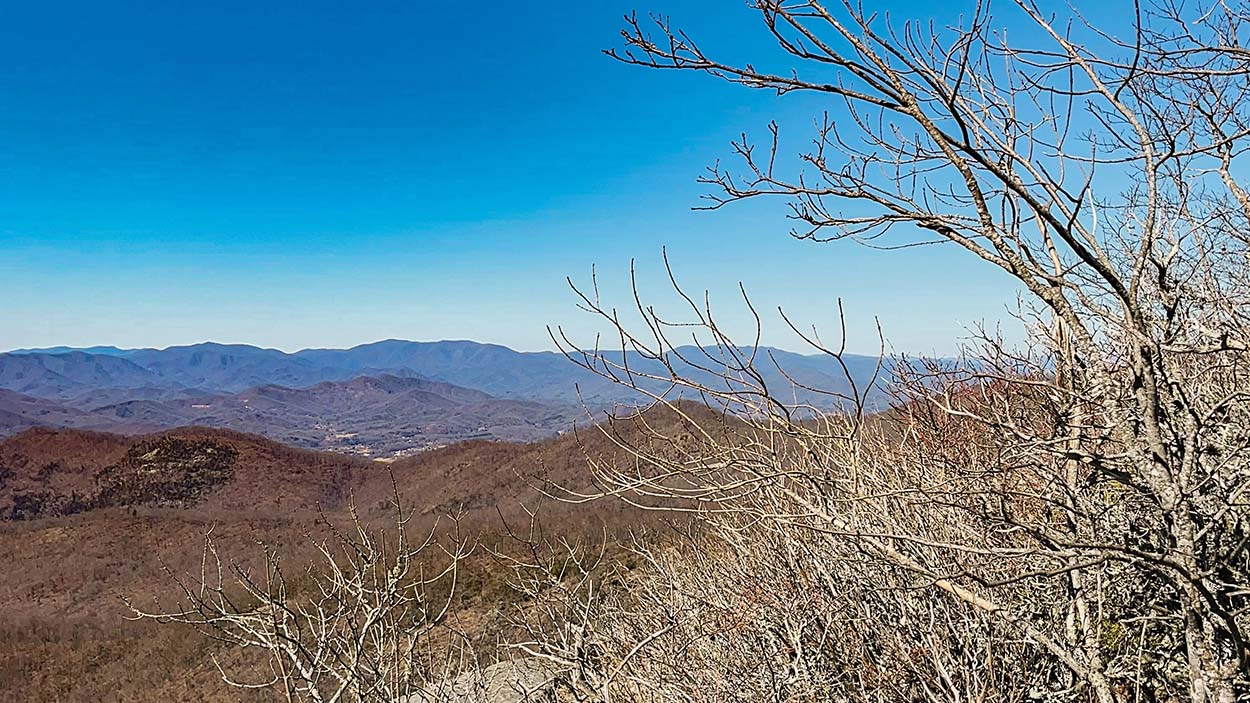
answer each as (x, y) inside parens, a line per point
(383, 416)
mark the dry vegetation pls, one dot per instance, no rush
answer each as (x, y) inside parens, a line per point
(65, 633)
(1064, 520)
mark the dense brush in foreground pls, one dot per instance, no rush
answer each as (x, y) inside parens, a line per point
(920, 555)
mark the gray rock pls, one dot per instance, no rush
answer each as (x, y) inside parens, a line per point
(527, 680)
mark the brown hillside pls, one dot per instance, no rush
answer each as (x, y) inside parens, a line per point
(58, 472)
(63, 634)
(144, 505)
(487, 480)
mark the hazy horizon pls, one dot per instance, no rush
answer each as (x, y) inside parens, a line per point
(54, 348)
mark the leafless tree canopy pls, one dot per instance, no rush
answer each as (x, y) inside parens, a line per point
(367, 622)
(1062, 520)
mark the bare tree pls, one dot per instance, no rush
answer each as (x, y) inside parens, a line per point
(1079, 505)
(367, 621)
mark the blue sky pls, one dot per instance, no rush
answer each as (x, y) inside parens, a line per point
(295, 174)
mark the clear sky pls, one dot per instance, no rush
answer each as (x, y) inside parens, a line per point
(315, 173)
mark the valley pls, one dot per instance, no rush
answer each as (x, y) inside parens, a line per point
(384, 400)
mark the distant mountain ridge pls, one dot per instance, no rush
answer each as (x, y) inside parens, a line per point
(59, 376)
(105, 350)
(491, 368)
(385, 399)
